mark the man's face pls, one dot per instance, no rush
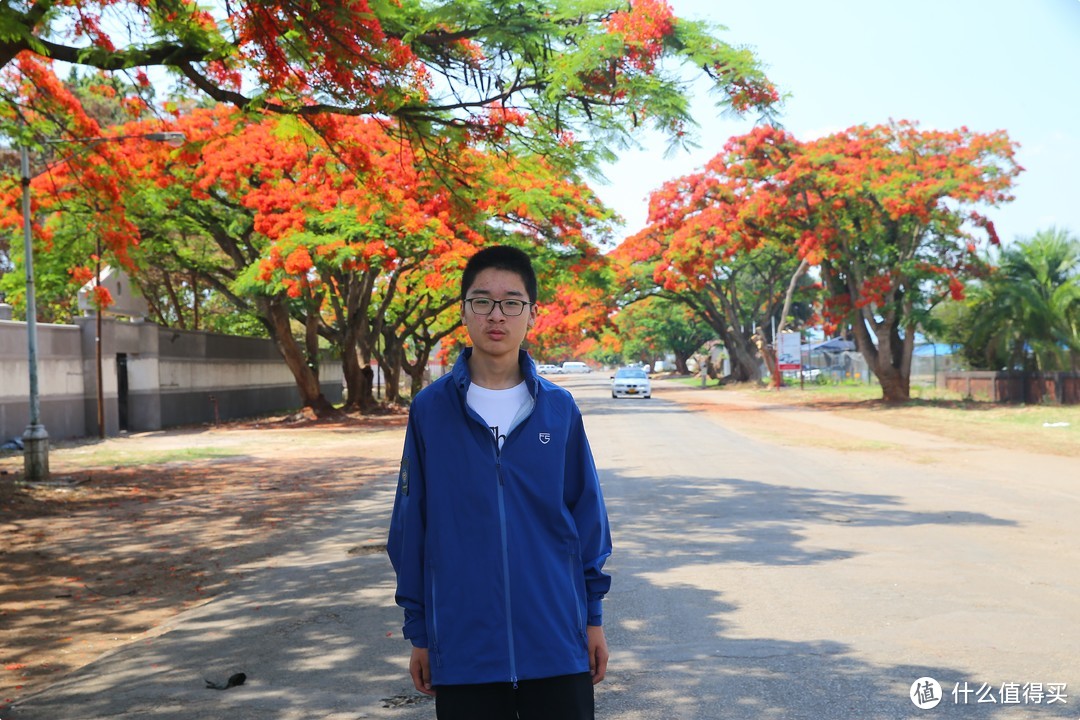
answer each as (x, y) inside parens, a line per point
(497, 334)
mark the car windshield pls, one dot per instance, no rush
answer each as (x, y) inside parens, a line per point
(630, 373)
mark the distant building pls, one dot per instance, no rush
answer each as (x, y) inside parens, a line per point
(127, 301)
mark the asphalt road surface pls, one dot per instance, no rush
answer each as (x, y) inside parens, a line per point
(751, 580)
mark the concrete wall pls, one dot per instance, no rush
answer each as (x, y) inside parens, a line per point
(174, 377)
(60, 380)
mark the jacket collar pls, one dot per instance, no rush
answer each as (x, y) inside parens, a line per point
(462, 380)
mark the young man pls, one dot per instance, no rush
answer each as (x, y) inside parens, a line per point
(499, 533)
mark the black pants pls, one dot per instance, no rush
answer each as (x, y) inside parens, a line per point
(566, 697)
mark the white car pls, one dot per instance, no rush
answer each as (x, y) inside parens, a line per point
(548, 369)
(573, 366)
(631, 382)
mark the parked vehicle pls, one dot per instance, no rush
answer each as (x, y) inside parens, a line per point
(548, 369)
(631, 382)
(572, 366)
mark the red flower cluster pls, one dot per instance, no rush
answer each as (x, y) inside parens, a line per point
(643, 29)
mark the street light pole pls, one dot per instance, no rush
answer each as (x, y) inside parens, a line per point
(97, 345)
(35, 439)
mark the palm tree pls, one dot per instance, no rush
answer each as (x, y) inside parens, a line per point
(1027, 312)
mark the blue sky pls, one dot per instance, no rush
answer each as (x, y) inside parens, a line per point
(1008, 65)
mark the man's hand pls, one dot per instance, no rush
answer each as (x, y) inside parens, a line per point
(598, 653)
(420, 669)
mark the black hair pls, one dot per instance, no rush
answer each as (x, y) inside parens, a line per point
(500, 257)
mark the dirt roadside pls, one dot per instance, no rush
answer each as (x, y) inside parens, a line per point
(121, 547)
(115, 550)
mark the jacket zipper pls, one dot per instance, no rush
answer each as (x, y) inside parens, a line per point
(506, 566)
(501, 485)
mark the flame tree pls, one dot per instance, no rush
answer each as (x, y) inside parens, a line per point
(704, 248)
(890, 215)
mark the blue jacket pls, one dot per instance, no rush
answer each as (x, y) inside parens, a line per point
(498, 554)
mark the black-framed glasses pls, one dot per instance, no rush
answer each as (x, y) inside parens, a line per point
(484, 306)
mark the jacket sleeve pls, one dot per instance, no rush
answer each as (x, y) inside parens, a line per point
(586, 503)
(405, 544)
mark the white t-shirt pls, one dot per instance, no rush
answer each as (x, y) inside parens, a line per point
(498, 408)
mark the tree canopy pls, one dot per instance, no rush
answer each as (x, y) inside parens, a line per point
(890, 217)
(550, 74)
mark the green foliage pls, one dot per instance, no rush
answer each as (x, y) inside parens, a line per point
(655, 326)
(1026, 313)
(54, 291)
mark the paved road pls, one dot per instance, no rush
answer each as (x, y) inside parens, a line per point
(752, 580)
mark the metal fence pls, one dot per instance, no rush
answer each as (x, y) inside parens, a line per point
(927, 368)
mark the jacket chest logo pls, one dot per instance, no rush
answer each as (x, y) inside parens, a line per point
(545, 438)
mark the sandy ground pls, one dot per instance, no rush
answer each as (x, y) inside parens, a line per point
(116, 550)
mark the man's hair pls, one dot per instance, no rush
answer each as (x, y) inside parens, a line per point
(500, 257)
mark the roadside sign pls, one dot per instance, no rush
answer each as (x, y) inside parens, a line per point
(789, 351)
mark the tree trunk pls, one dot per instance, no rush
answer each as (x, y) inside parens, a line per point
(359, 377)
(391, 365)
(894, 364)
(277, 317)
(354, 377)
(740, 346)
(194, 299)
(417, 382)
(889, 359)
(744, 361)
(416, 370)
(366, 396)
(175, 300)
(803, 265)
(680, 364)
(768, 352)
(723, 321)
(311, 340)
(895, 388)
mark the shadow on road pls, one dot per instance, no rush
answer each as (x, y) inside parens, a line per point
(676, 653)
